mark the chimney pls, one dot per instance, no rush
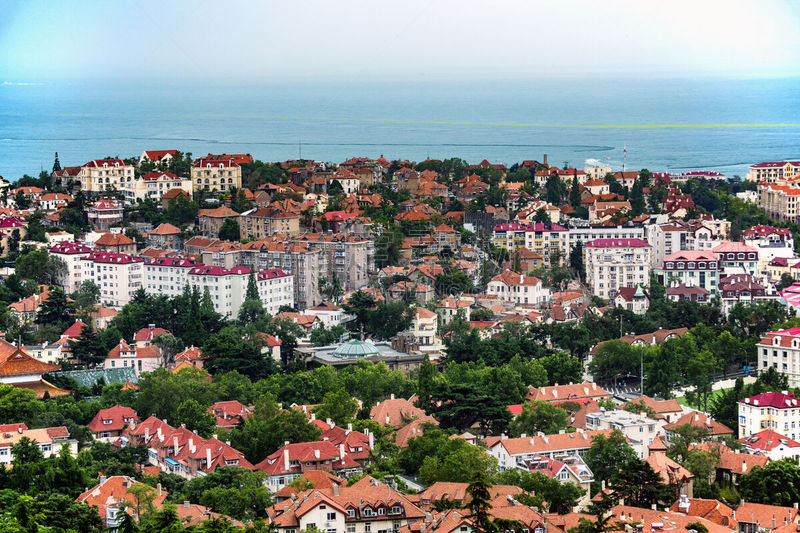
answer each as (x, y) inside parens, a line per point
(285, 459)
(329, 422)
(19, 429)
(158, 489)
(316, 453)
(391, 397)
(313, 416)
(175, 444)
(146, 433)
(186, 503)
(341, 451)
(524, 435)
(349, 427)
(387, 420)
(208, 457)
(103, 479)
(335, 489)
(191, 444)
(371, 440)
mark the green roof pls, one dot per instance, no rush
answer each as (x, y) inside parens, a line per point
(356, 348)
(89, 378)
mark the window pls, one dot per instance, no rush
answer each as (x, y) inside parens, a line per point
(331, 516)
(351, 528)
(367, 527)
(351, 513)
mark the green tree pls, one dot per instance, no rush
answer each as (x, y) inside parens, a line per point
(252, 309)
(88, 348)
(191, 414)
(575, 192)
(39, 266)
(637, 198)
(554, 190)
(229, 230)
(609, 455)
(539, 416)
(236, 492)
(338, 406)
(560, 497)
(776, 483)
(231, 349)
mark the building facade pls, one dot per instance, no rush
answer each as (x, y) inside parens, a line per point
(614, 263)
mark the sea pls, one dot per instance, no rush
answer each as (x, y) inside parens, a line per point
(669, 125)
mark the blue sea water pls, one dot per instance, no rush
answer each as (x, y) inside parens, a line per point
(502, 121)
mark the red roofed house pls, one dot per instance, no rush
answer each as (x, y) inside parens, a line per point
(737, 258)
(108, 424)
(191, 355)
(292, 460)
(614, 263)
(165, 236)
(633, 299)
(210, 220)
(145, 336)
(510, 452)
(157, 156)
(517, 288)
(229, 414)
(560, 393)
(105, 213)
(50, 440)
(100, 175)
(772, 444)
(142, 359)
(116, 242)
(699, 420)
(108, 497)
(19, 369)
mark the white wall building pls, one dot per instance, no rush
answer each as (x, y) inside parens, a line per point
(100, 175)
(776, 411)
(614, 263)
(639, 428)
(154, 185)
(781, 350)
(117, 275)
(70, 253)
(517, 288)
(50, 440)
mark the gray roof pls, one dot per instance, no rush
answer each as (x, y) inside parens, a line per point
(88, 378)
(356, 350)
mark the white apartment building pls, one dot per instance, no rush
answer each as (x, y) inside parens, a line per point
(770, 242)
(227, 287)
(776, 411)
(513, 287)
(70, 253)
(677, 235)
(154, 185)
(737, 258)
(167, 275)
(614, 263)
(597, 171)
(772, 444)
(217, 173)
(781, 350)
(639, 428)
(99, 175)
(772, 171)
(117, 275)
(590, 233)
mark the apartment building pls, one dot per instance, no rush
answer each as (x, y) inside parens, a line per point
(348, 257)
(153, 185)
(589, 233)
(50, 440)
(614, 263)
(299, 259)
(517, 288)
(772, 171)
(780, 199)
(167, 275)
(118, 275)
(105, 213)
(70, 279)
(266, 221)
(781, 350)
(100, 175)
(544, 239)
(690, 268)
(218, 172)
(228, 287)
(211, 220)
(776, 411)
(667, 239)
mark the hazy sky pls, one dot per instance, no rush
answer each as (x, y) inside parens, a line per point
(394, 39)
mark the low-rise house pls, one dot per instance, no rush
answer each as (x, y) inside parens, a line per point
(639, 428)
(229, 414)
(711, 510)
(634, 299)
(772, 444)
(510, 452)
(143, 359)
(716, 430)
(211, 220)
(409, 290)
(292, 460)
(670, 472)
(165, 236)
(744, 288)
(573, 392)
(732, 465)
(108, 424)
(759, 517)
(517, 288)
(50, 440)
(396, 412)
(19, 369)
(110, 494)
(566, 469)
(105, 213)
(116, 242)
(667, 410)
(690, 293)
(737, 258)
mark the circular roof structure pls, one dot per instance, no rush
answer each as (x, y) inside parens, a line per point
(356, 348)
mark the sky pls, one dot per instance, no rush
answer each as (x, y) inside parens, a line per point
(394, 39)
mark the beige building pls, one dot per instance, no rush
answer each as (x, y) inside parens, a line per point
(218, 172)
(773, 171)
(517, 288)
(780, 199)
(614, 263)
(50, 441)
(99, 175)
(349, 257)
(153, 185)
(266, 221)
(210, 220)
